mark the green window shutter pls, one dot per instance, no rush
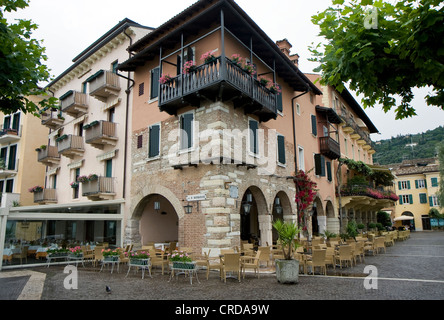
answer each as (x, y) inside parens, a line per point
(280, 107)
(314, 128)
(416, 184)
(399, 185)
(155, 75)
(431, 201)
(400, 200)
(254, 126)
(186, 124)
(408, 185)
(410, 199)
(320, 165)
(422, 198)
(16, 121)
(329, 176)
(12, 157)
(281, 149)
(154, 146)
(434, 182)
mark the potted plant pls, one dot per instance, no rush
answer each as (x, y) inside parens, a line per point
(35, 189)
(93, 177)
(250, 69)
(361, 227)
(208, 57)
(189, 67)
(76, 252)
(287, 269)
(138, 257)
(82, 179)
(181, 260)
(237, 59)
(111, 255)
(74, 185)
(165, 78)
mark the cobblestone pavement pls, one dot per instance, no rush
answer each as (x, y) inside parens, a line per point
(409, 270)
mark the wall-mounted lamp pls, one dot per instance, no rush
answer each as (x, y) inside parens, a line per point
(157, 206)
(188, 209)
(277, 206)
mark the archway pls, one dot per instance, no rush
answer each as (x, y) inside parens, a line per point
(409, 223)
(252, 207)
(281, 208)
(318, 218)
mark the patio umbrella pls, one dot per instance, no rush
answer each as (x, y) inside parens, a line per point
(403, 218)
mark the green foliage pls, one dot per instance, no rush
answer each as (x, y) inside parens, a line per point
(287, 232)
(21, 67)
(352, 229)
(434, 213)
(395, 150)
(383, 50)
(440, 192)
(383, 218)
(329, 235)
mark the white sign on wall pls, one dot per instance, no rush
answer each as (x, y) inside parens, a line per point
(196, 197)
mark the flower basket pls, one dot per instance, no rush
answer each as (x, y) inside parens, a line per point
(165, 78)
(35, 189)
(111, 258)
(139, 262)
(189, 67)
(54, 253)
(82, 179)
(76, 252)
(208, 57)
(111, 255)
(74, 185)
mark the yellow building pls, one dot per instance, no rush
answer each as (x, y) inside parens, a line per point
(417, 184)
(20, 135)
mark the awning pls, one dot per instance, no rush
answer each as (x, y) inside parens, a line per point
(403, 218)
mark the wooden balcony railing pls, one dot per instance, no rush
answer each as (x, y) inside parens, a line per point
(104, 84)
(45, 196)
(48, 155)
(101, 133)
(74, 103)
(102, 188)
(330, 148)
(208, 78)
(70, 145)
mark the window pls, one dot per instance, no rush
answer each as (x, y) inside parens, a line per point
(319, 165)
(406, 199)
(253, 125)
(186, 131)
(76, 190)
(189, 54)
(80, 129)
(54, 181)
(434, 182)
(155, 75)
(279, 103)
(84, 87)
(109, 168)
(111, 113)
(403, 185)
(281, 149)
(314, 128)
(114, 66)
(298, 108)
(139, 142)
(154, 141)
(12, 157)
(420, 184)
(433, 201)
(346, 146)
(9, 186)
(422, 198)
(301, 158)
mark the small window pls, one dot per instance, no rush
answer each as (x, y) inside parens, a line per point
(434, 201)
(319, 165)
(298, 108)
(404, 185)
(154, 141)
(406, 199)
(76, 190)
(314, 125)
(109, 168)
(422, 198)
(9, 186)
(434, 182)
(139, 142)
(420, 184)
(186, 131)
(114, 66)
(329, 173)
(279, 103)
(141, 89)
(301, 158)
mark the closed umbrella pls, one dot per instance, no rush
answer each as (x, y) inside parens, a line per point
(403, 218)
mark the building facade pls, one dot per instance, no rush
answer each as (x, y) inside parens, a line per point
(417, 185)
(84, 158)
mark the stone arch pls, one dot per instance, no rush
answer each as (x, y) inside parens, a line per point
(287, 211)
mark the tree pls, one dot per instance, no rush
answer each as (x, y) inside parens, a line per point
(383, 50)
(21, 67)
(440, 192)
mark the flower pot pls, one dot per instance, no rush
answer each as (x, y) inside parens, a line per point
(111, 258)
(139, 262)
(183, 265)
(287, 271)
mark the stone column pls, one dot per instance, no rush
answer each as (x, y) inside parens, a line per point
(132, 233)
(265, 226)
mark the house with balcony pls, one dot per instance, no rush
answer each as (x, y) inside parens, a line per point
(83, 153)
(215, 141)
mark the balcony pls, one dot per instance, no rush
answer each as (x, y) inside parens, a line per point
(329, 148)
(100, 134)
(9, 135)
(47, 196)
(74, 103)
(223, 80)
(52, 118)
(100, 189)
(103, 85)
(48, 155)
(70, 145)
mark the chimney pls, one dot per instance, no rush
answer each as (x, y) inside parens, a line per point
(285, 47)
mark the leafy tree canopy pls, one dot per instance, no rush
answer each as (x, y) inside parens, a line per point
(21, 67)
(383, 50)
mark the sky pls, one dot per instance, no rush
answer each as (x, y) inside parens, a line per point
(67, 27)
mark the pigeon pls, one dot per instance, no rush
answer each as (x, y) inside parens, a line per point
(108, 289)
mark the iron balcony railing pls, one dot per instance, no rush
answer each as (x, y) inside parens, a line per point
(209, 74)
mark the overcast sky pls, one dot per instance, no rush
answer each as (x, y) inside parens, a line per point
(67, 27)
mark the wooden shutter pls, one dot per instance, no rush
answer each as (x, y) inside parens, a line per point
(16, 121)
(400, 200)
(281, 149)
(254, 126)
(399, 185)
(410, 199)
(12, 156)
(408, 185)
(155, 75)
(109, 168)
(329, 176)
(416, 184)
(154, 148)
(319, 165)
(314, 128)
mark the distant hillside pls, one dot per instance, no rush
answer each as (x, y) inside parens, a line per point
(416, 146)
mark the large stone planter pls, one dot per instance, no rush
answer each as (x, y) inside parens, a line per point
(287, 271)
